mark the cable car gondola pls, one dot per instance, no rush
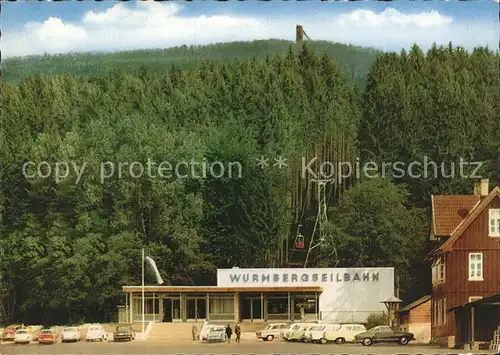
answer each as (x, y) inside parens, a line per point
(299, 241)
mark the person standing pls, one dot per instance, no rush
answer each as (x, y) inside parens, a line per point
(229, 332)
(237, 331)
(194, 331)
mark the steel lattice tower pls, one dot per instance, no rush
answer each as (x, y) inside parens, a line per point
(321, 222)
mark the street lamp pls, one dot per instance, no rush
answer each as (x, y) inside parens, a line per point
(391, 303)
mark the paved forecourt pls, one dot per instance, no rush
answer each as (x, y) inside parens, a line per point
(185, 347)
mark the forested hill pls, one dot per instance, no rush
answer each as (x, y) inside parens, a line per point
(70, 241)
(353, 61)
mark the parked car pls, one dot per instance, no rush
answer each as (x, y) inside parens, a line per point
(317, 333)
(205, 330)
(9, 333)
(298, 333)
(70, 334)
(96, 332)
(384, 334)
(217, 334)
(123, 332)
(344, 333)
(47, 336)
(272, 331)
(286, 333)
(23, 336)
(35, 331)
(307, 336)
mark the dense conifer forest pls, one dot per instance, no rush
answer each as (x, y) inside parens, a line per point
(68, 246)
(352, 60)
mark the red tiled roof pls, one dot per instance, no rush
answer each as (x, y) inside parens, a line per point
(448, 244)
(448, 211)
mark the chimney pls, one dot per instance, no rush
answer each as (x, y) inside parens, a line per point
(485, 187)
(477, 189)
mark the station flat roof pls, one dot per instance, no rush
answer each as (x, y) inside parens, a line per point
(219, 289)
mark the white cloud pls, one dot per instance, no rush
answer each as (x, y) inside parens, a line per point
(391, 17)
(146, 13)
(160, 25)
(54, 30)
(391, 29)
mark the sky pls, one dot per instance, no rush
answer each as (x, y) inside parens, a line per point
(32, 28)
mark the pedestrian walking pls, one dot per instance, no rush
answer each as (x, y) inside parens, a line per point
(237, 331)
(229, 332)
(194, 330)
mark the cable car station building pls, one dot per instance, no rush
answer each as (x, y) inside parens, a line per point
(261, 295)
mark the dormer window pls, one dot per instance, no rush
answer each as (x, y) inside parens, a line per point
(494, 222)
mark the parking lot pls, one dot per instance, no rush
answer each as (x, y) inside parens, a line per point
(245, 347)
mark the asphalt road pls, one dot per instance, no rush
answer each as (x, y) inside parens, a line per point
(246, 347)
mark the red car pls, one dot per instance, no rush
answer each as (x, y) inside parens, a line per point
(47, 336)
(9, 333)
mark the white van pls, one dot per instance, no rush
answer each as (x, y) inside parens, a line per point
(272, 331)
(344, 333)
(299, 332)
(316, 333)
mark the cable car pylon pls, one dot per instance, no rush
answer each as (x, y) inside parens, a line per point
(321, 222)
